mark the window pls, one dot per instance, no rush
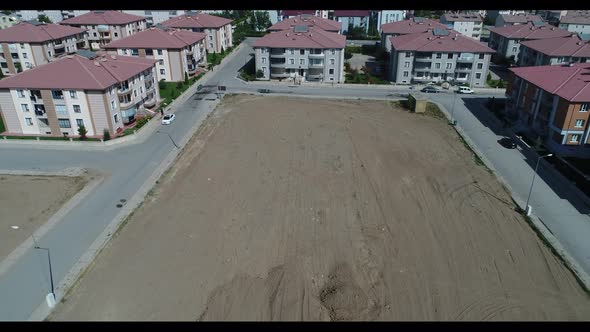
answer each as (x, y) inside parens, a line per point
(437, 65)
(331, 71)
(407, 64)
(159, 52)
(57, 94)
(140, 89)
(116, 117)
(115, 34)
(301, 61)
(579, 123)
(477, 75)
(24, 107)
(94, 34)
(480, 65)
(263, 50)
(73, 94)
(292, 61)
(584, 108)
(438, 55)
(449, 65)
(210, 37)
(29, 121)
(21, 93)
(149, 51)
(161, 62)
(77, 109)
(332, 61)
(24, 55)
(514, 49)
(450, 55)
(134, 93)
(481, 55)
(406, 74)
(162, 72)
(80, 123)
(574, 138)
(112, 105)
(22, 46)
(210, 45)
(64, 123)
(263, 60)
(333, 52)
(408, 54)
(263, 69)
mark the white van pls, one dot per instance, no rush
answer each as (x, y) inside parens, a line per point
(465, 89)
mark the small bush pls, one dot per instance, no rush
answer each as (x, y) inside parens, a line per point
(179, 85)
(82, 132)
(162, 85)
(141, 122)
(106, 135)
(259, 73)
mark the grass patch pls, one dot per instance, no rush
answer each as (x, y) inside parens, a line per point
(172, 90)
(434, 111)
(2, 128)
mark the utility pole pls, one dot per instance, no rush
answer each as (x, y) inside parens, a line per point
(528, 208)
(50, 298)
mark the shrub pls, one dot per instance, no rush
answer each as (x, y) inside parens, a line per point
(82, 132)
(141, 122)
(106, 135)
(162, 85)
(259, 73)
(179, 85)
(489, 77)
(347, 55)
(185, 77)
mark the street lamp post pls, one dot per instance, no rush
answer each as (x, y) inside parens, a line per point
(453, 121)
(527, 206)
(51, 296)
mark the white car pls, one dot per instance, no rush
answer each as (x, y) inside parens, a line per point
(168, 118)
(464, 89)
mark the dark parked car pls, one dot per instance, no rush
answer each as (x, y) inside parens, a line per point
(430, 89)
(507, 142)
(264, 90)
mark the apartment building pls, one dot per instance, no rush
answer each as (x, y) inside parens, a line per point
(218, 29)
(507, 19)
(352, 19)
(552, 16)
(577, 21)
(30, 44)
(506, 40)
(302, 53)
(55, 16)
(439, 55)
(154, 17)
(493, 14)
(6, 21)
(96, 91)
(552, 102)
(406, 27)
(467, 24)
(309, 21)
(389, 16)
(177, 51)
(287, 14)
(554, 51)
(106, 26)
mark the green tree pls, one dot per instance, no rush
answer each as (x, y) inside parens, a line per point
(185, 78)
(106, 134)
(82, 132)
(162, 84)
(44, 19)
(261, 20)
(259, 73)
(357, 33)
(18, 67)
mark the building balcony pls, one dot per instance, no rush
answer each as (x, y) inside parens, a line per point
(316, 65)
(278, 55)
(123, 91)
(150, 88)
(105, 37)
(315, 76)
(58, 46)
(463, 69)
(81, 44)
(125, 105)
(150, 103)
(279, 75)
(423, 59)
(465, 59)
(12, 48)
(102, 28)
(316, 55)
(278, 65)
(190, 51)
(192, 69)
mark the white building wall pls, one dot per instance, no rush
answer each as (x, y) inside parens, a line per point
(576, 28)
(84, 114)
(21, 115)
(388, 16)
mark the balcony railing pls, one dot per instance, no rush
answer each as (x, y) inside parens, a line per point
(123, 90)
(465, 59)
(279, 75)
(463, 69)
(316, 55)
(277, 55)
(123, 105)
(423, 58)
(57, 46)
(103, 28)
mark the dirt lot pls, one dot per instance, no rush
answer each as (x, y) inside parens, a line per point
(28, 202)
(295, 209)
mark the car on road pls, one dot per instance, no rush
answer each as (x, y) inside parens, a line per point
(430, 89)
(264, 90)
(465, 90)
(507, 142)
(168, 118)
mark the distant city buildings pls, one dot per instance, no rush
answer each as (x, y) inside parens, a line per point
(351, 19)
(55, 16)
(508, 19)
(6, 21)
(577, 21)
(553, 51)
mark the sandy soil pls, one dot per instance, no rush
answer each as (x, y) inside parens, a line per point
(295, 209)
(28, 202)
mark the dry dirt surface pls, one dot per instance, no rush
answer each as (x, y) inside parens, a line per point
(28, 202)
(297, 209)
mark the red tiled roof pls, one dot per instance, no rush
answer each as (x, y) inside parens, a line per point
(521, 18)
(297, 12)
(78, 72)
(563, 46)
(463, 17)
(196, 21)
(528, 31)
(428, 42)
(109, 17)
(351, 13)
(314, 38)
(314, 21)
(570, 83)
(158, 38)
(576, 17)
(410, 26)
(30, 33)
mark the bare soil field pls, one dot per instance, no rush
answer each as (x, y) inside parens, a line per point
(28, 202)
(296, 209)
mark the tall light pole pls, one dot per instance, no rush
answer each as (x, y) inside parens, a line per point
(51, 296)
(527, 207)
(453, 121)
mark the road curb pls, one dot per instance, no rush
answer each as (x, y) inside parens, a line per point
(540, 227)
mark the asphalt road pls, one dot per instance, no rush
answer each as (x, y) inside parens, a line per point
(24, 285)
